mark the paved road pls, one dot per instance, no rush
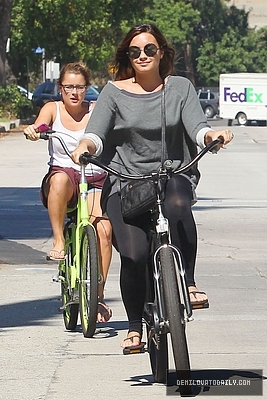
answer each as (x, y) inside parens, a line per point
(40, 360)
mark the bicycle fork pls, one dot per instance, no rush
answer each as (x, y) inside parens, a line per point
(164, 239)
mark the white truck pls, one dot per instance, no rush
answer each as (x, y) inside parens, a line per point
(243, 97)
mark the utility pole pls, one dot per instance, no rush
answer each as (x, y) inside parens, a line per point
(40, 50)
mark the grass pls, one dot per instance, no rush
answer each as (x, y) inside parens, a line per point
(4, 120)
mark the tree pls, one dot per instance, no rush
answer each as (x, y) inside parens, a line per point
(70, 30)
(209, 37)
(216, 19)
(204, 33)
(233, 54)
(5, 16)
(177, 19)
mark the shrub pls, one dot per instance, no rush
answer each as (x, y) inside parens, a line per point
(14, 104)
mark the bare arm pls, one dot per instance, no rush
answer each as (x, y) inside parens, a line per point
(85, 145)
(46, 115)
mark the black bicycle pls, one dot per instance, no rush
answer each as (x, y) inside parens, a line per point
(167, 308)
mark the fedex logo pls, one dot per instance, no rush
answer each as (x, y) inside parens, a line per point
(246, 96)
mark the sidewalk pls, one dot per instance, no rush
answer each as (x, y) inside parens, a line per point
(40, 360)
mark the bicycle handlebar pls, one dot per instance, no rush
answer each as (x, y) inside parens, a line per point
(87, 158)
(50, 134)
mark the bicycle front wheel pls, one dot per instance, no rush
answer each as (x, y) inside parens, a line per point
(89, 280)
(156, 340)
(175, 315)
(70, 308)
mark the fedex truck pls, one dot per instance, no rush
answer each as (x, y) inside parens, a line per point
(243, 97)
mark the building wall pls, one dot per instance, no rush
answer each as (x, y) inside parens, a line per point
(258, 13)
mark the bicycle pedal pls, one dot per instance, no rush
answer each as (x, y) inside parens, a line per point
(55, 278)
(134, 350)
(200, 306)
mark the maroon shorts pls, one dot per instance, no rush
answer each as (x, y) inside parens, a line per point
(94, 181)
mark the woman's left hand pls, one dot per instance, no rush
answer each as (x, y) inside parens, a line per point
(212, 135)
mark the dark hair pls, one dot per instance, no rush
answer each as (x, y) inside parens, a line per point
(122, 65)
(75, 68)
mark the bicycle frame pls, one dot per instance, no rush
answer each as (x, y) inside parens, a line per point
(163, 238)
(82, 219)
(162, 224)
(79, 272)
(168, 308)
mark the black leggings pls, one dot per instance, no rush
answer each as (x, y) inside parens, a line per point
(132, 243)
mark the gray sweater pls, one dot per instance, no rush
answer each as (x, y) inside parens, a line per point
(129, 125)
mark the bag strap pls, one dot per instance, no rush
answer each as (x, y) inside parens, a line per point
(163, 126)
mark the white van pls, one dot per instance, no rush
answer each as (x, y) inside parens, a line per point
(243, 96)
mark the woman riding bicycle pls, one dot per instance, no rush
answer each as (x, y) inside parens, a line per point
(59, 191)
(126, 123)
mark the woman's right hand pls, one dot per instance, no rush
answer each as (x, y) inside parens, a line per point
(84, 146)
(31, 132)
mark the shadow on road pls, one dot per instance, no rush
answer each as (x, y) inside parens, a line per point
(22, 217)
(22, 214)
(29, 313)
(13, 253)
(40, 311)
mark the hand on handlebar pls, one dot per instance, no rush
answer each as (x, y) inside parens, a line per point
(31, 132)
(76, 154)
(41, 131)
(226, 135)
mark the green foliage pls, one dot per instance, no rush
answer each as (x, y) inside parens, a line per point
(209, 37)
(70, 30)
(175, 19)
(14, 104)
(233, 54)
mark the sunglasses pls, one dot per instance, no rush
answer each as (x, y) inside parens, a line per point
(150, 50)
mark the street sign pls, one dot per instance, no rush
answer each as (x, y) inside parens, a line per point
(52, 70)
(38, 50)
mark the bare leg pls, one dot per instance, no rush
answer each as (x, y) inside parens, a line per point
(59, 191)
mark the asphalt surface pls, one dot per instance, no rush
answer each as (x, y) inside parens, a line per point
(40, 360)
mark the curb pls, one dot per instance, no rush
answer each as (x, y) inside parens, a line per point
(7, 127)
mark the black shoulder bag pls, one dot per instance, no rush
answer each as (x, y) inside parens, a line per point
(137, 197)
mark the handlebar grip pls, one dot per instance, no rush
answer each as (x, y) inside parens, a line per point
(221, 139)
(43, 135)
(27, 137)
(216, 148)
(84, 158)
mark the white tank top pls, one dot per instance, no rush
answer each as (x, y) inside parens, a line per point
(58, 157)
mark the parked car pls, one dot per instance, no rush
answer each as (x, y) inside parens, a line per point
(48, 91)
(25, 92)
(209, 101)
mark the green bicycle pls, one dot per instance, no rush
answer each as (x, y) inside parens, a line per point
(79, 273)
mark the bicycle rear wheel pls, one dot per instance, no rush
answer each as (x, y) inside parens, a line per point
(89, 280)
(175, 315)
(70, 309)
